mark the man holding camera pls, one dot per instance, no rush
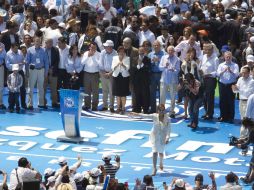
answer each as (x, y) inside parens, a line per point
(38, 64)
(24, 172)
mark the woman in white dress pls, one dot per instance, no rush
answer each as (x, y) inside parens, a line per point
(159, 135)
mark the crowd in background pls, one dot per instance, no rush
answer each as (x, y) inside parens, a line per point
(143, 48)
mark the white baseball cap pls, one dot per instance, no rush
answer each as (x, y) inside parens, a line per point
(62, 160)
(49, 171)
(62, 25)
(106, 156)
(250, 58)
(15, 67)
(51, 179)
(95, 172)
(78, 177)
(163, 12)
(179, 183)
(108, 43)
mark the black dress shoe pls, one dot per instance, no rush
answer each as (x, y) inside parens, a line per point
(2, 107)
(18, 110)
(43, 107)
(112, 110)
(172, 115)
(208, 118)
(104, 109)
(55, 105)
(30, 108)
(94, 109)
(203, 116)
(11, 110)
(85, 108)
(221, 119)
(24, 107)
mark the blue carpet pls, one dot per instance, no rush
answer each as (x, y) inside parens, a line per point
(33, 134)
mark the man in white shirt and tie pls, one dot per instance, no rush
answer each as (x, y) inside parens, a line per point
(91, 61)
(62, 77)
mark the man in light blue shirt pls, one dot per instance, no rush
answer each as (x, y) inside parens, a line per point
(155, 77)
(15, 56)
(170, 66)
(38, 64)
(106, 74)
(227, 72)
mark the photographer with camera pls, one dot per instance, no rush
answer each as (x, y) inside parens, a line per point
(243, 144)
(23, 173)
(194, 91)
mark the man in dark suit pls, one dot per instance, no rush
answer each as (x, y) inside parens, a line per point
(131, 52)
(141, 82)
(10, 36)
(53, 56)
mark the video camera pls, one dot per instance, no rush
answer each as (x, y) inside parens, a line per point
(233, 141)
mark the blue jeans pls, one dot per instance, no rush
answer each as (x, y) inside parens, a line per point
(193, 108)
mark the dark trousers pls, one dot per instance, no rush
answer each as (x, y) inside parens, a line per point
(154, 87)
(22, 89)
(193, 108)
(13, 100)
(62, 79)
(142, 98)
(227, 101)
(209, 92)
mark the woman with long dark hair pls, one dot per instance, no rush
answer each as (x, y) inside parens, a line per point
(74, 67)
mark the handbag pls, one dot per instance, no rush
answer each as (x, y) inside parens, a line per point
(19, 185)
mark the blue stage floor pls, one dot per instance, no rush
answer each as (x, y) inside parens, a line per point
(33, 134)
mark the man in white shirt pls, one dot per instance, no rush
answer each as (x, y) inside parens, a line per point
(146, 34)
(91, 61)
(110, 11)
(23, 173)
(62, 79)
(208, 67)
(245, 87)
(185, 45)
(106, 74)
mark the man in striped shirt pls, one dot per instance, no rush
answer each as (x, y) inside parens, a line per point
(110, 168)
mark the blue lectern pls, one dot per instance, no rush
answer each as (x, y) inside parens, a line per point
(70, 106)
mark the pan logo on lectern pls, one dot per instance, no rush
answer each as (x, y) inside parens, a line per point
(69, 102)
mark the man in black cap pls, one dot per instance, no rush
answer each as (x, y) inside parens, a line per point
(199, 182)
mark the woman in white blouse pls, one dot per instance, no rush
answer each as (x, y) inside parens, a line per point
(120, 67)
(74, 67)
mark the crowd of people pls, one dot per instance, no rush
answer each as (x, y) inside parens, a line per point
(70, 177)
(141, 48)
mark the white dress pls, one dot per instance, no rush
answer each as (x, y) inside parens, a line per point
(159, 133)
